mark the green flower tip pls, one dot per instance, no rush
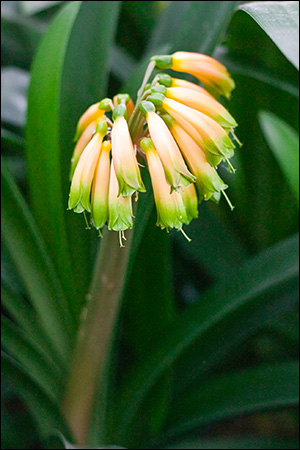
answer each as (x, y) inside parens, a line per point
(165, 79)
(146, 107)
(121, 97)
(119, 111)
(162, 62)
(157, 99)
(105, 104)
(101, 127)
(159, 90)
(146, 144)
(168, 120)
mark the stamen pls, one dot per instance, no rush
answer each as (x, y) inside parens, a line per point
(123, 236)
(235, 137)
(228, 201)
(120, 239)
(185, 235)
(230, 166)
(100, 234)
(86, 221)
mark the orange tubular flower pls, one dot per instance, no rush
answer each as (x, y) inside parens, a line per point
(209, 71)
(203, 103)
(209, 135)
(81, 144)
(120, 208)
(124, 158)
(208, 181)
(173, 209)
(91, 114)
(176, 172)
(100, 188)
(79, 199)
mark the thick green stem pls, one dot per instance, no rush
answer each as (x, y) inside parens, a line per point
(96, 335)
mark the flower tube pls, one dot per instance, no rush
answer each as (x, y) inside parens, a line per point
(176, 172)
(100, 188)
(79, 198)
(124, 158)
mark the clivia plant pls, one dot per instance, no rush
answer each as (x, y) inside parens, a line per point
(118, 330)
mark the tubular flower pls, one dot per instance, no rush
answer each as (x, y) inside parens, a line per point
(120, 208)
(91, 114)
(178, 128)
(176, 172)
(212, 74)
(208, 134)
(208, 181)
(203, 103)
(100, 187)
(79, 199)
(173, 209)
(81, 144)
(124, 159)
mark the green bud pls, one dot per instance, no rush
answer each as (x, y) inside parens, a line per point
(102, 127)
(119, 111)
(165, 79)
(146, 107)
(105, 104)
(157, 99)
(146, 144)
(159, 90)
(121, 97)
(162, 62)
(168, 120)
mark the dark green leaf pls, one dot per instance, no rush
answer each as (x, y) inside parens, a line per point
(30, 258)
(284, 143)
(32, 357)
(280, 20)
(43, 410)
(244, 442)
(26, 318)
(244, 392)
(238, 296)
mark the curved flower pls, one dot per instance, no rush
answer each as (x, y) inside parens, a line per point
(203, 103)
(209, 71)
(124, 158)
(176, 172)
(173, 209)
(81, 144)
(209, 135)
(119, 207)
(100, 188)
(208, 181)
(79, 198)
(90, 115)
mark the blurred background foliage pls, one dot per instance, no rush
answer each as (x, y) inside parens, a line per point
(206, 350)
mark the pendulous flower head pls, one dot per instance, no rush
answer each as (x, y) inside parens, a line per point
(177, 130)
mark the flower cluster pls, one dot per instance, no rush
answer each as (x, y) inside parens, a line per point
(177, 128)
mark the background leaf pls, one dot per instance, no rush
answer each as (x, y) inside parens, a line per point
(280, 20)
(284, 143)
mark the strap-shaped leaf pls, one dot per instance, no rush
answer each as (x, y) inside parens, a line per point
(26, 318)
(33, 264)
(33, 358)
(238, 296)
(244, 392)
(280, 20)
(283, 140)
(43, 409)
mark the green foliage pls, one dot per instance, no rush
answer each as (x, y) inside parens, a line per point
(190, 349)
